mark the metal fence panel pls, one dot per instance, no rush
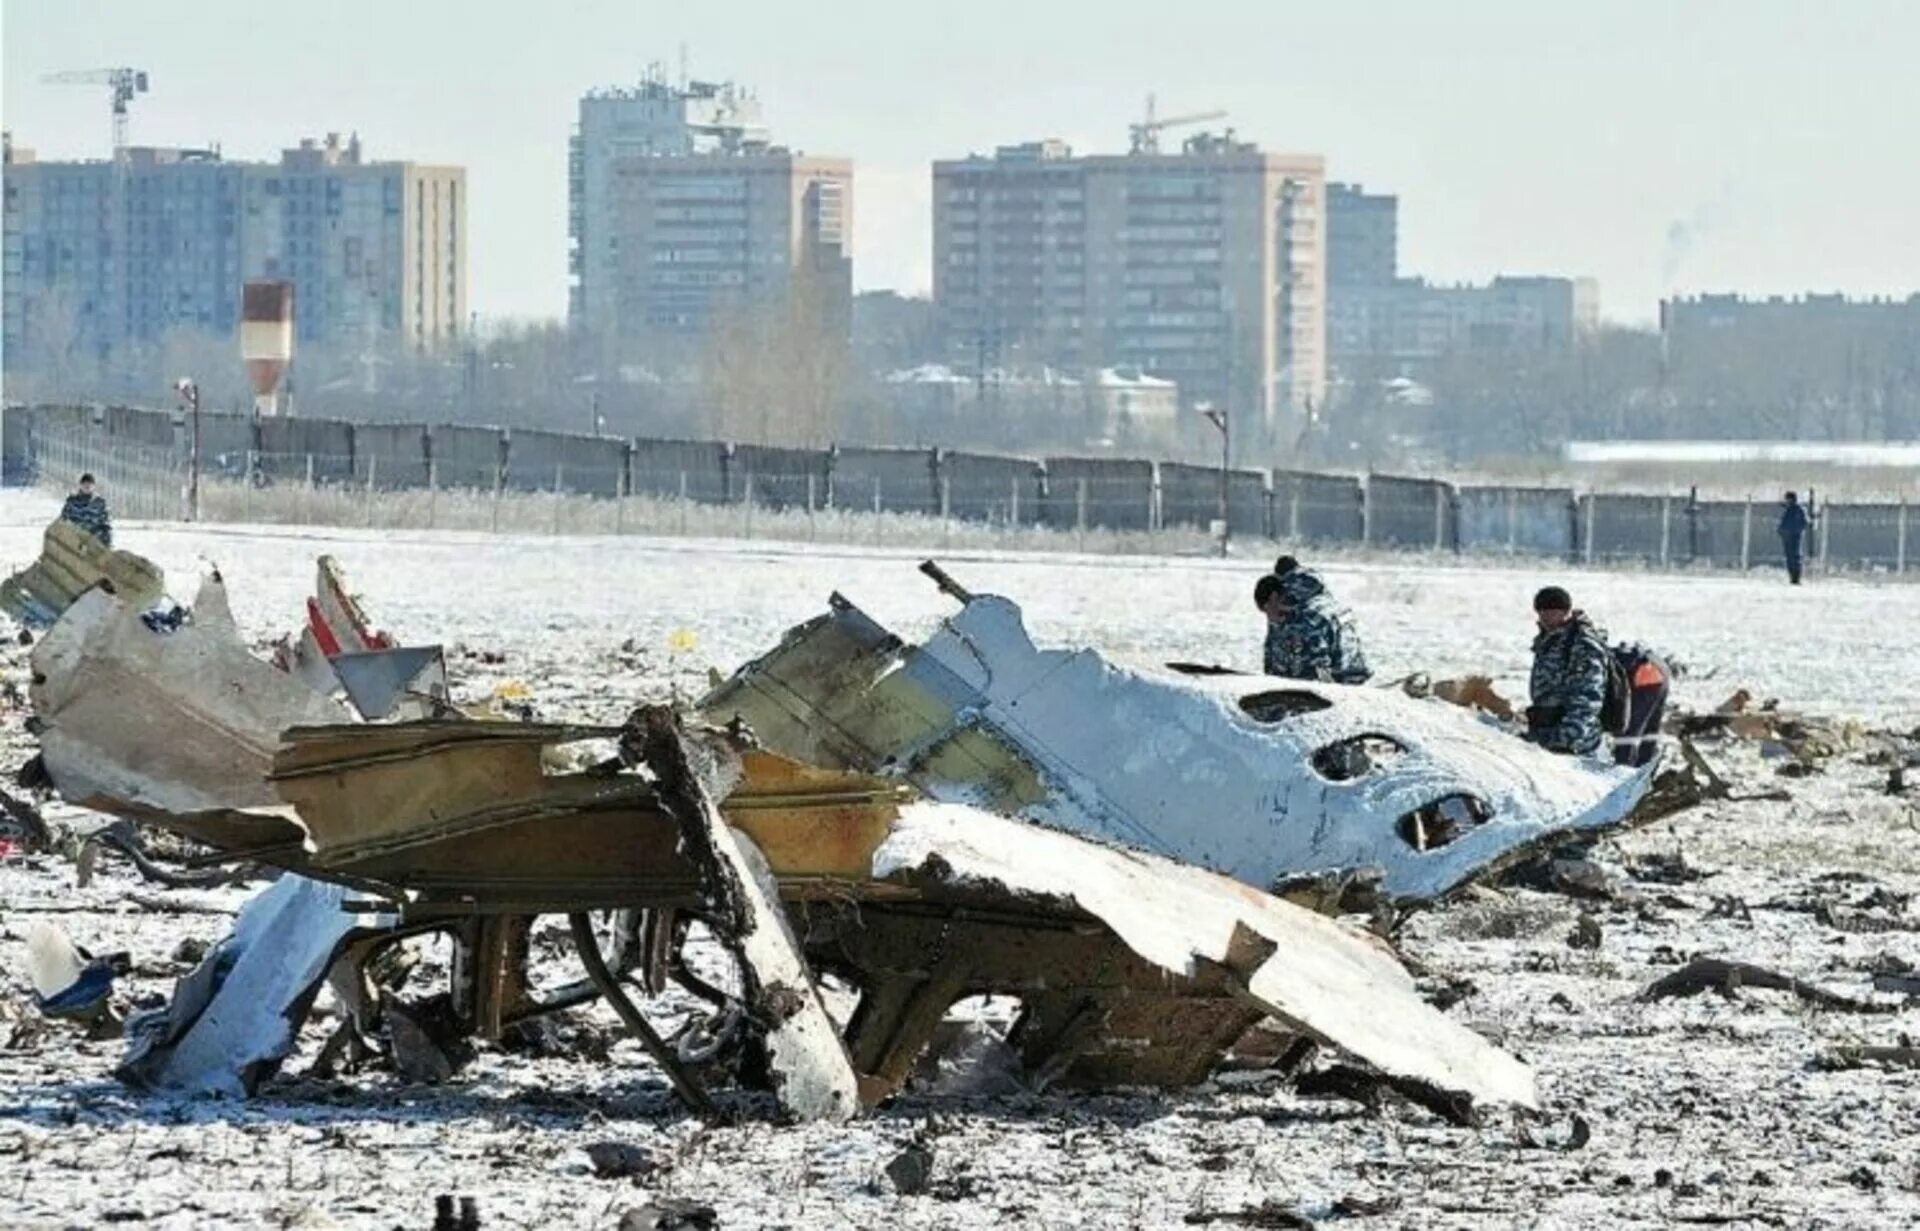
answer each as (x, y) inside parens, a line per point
(1520, 520)
(226, 443)
(1716, 533)
(695, 469)
(1317, 508)
(1190, 496)
(991, 488)
(131, 424)
(543, 461)
(466, 458)
(286, 443)
(776, 478)
(1109, 493)
(1864, 536)
(884, 480)
(391, 456)
(1414, 513)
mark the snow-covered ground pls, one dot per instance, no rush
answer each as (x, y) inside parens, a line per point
(1701, 1110)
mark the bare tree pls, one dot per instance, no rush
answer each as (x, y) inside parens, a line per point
(775, 372)
(55, 357)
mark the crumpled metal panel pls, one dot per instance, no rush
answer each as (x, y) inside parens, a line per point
(1239, 774)
(236, 1015)
(183, 721)
(337, 648)
(811, 1073)
(473, 807)
(72, 562)
(1311, 972)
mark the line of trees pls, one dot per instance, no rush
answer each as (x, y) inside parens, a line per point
(1770, 380)
(796, 372)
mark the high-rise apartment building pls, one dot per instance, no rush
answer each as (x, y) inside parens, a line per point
(373, 249)
(680, 210)
(108, 253)
(1363, 238)
(652, 119)
(1203, 267)
(702, 235)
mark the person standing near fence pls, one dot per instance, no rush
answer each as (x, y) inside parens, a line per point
(88, 510)
(1794, 522)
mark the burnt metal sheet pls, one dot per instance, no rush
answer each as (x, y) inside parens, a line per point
(469, 806)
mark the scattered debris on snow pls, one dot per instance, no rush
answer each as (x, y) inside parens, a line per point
(1125, 965)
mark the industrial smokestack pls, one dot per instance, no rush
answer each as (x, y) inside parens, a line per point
(266, 339)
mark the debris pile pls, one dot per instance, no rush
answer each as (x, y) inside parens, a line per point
(926, 824)
(1801, 745)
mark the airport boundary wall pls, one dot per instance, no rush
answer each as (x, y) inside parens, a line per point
(1137, 495)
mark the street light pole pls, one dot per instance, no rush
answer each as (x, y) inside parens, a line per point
(189, 392)
(1224, 422)
(1226, 506)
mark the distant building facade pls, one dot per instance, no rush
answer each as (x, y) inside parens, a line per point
(127, 251)
(1363, 238)
(652, 119)
(702, 235)
(1204, 268)
(1404, 325)
(1691, 322)
(680, 209)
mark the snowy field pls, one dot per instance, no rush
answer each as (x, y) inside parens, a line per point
(1702, 1110)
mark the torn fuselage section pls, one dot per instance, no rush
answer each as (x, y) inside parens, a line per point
(1262, 780)
(1215, 944)
(140, 721)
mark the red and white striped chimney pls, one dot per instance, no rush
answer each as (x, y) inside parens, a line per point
(266, 339)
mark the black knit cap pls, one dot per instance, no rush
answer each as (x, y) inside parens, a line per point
(1552, 598)
(1284, 565)
(86, 478)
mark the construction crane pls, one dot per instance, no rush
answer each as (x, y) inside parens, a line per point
(1146, 134)
(122, 84)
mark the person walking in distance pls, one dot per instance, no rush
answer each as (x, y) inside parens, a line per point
(88, 510)
(1794, 522)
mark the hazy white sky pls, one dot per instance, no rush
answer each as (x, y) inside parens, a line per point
(1660, 145)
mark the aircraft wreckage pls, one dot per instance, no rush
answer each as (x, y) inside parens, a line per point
(972, 816)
